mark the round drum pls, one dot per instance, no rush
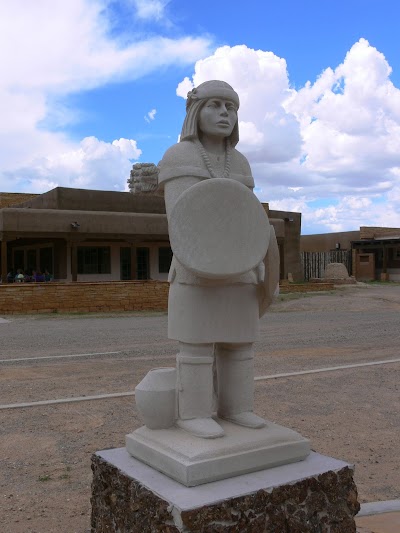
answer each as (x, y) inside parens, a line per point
(219, 229)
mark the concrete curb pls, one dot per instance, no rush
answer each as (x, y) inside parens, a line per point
(373, 508)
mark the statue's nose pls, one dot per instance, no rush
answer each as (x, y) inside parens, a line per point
(224, 111)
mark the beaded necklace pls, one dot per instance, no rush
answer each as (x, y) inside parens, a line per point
(207, 162)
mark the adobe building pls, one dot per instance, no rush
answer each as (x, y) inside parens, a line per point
(375, 251)
(376, 255)
(89, 235)
(327, 242)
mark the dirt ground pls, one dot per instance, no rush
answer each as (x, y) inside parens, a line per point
(351, 414)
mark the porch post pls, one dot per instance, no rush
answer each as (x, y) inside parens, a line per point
(4, 261)
(74, 261)
(384, 276)
(133, 262)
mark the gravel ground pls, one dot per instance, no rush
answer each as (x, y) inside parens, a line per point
(351, 414)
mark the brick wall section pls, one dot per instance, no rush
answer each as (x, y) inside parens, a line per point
(100, 297)
(83, 297)
(12, 198)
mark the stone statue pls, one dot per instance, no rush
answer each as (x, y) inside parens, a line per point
(199, 421)
(221, 277)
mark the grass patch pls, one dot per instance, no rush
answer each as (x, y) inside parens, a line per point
(298, 295)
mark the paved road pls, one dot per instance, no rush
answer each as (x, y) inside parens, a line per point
(357, 319)
(350, 414)
(350, 326)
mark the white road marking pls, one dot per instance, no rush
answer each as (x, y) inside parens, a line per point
(327, 369)
(55, 357)
(66, 400)
(258, 378)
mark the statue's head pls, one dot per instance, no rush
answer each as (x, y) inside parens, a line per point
(196, 100)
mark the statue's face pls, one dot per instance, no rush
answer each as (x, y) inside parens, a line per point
(217, 117)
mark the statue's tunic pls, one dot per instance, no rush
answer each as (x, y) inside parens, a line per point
(202, 310)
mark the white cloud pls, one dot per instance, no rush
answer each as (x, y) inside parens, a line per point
(49, 50)
(268, 132)
(74, 50)
(94, 164)
(184, 87)
(336, 139)
(150, 9)
(151, 115)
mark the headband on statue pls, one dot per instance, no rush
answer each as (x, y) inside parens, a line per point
(212, 89)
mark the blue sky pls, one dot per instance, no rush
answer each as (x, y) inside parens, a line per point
(91, 86)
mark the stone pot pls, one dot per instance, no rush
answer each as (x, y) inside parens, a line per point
(155, 398)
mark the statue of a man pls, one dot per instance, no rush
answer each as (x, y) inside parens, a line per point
(214, 320)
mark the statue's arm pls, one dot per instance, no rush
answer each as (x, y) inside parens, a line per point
(172, 191)
(179, 169)
(174, 188)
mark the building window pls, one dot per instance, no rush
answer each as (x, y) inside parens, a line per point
(164, 260)
(94, 260)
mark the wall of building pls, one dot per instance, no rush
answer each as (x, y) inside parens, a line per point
(326, 242)
(370, 232)
(83, 297)
(63, 198)
(12, 198)
(290, 246)
(393, 274)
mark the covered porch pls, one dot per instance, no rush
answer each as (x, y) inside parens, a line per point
(84, 245)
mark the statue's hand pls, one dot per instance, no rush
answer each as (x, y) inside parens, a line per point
(261, 272)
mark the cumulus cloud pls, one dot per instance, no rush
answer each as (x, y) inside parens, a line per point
(50, 50)
(151, 115)
(94, 164)
(261, 80)
(334, 142)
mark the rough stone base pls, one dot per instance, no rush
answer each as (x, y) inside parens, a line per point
(317, 495)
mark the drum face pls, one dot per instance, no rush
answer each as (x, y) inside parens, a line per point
(219, 229)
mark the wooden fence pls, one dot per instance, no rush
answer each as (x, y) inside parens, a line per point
(314, 263)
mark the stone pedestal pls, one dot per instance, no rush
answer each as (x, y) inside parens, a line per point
(193, 461)
(315, 495)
